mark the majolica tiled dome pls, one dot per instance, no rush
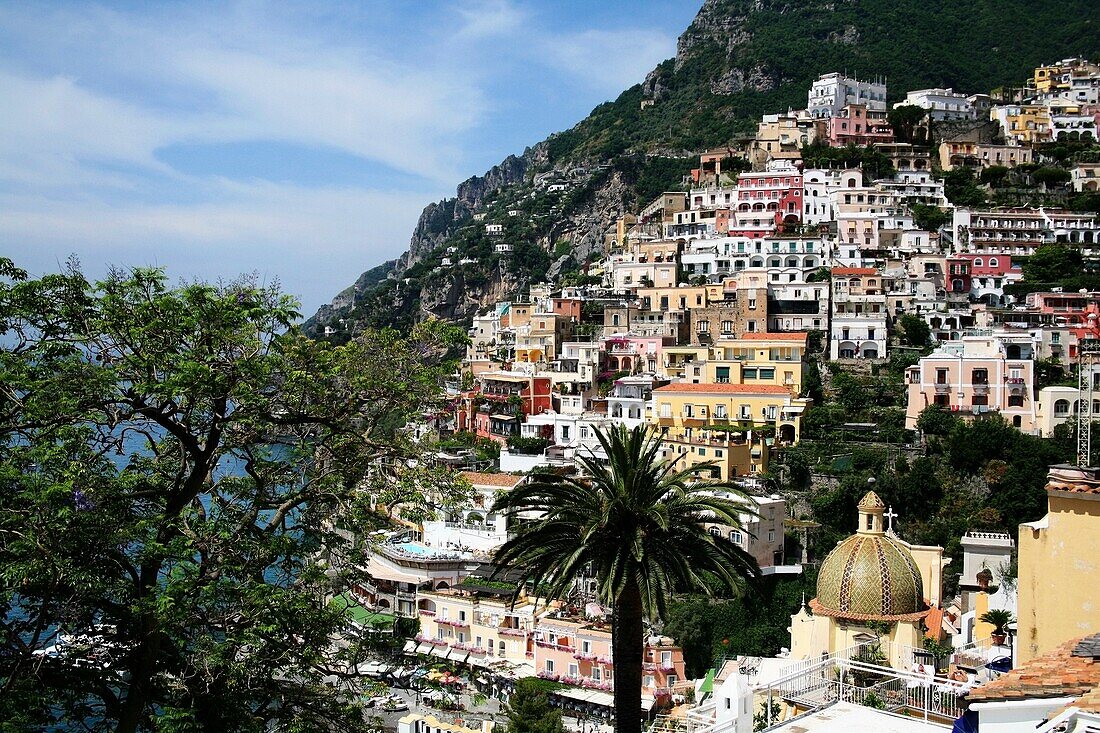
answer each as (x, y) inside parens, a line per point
(870, 575)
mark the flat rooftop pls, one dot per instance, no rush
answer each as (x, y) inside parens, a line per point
(845, 717)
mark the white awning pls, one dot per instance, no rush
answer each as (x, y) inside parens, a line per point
(410, 646)
(440, 651)
(424, 648)
(381, 571)
(592, 697)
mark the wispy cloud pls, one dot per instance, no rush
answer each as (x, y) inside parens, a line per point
(96, 99)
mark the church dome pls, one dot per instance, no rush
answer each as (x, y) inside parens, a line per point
(870, 576)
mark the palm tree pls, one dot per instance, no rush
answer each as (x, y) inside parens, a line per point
(635, 523)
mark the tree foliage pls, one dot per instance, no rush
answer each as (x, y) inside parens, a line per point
(529, 709)
(175, 463)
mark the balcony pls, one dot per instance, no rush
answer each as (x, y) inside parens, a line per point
(980, 389)
(943, 388)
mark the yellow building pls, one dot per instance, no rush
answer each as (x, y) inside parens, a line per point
(1027, 124)
(870, 577)
(479, 628)
(1059, 565)
(759, 359)
(733, 424)
(774, 359)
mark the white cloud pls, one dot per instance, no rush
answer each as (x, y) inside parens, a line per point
(316, 240)
(483, 19)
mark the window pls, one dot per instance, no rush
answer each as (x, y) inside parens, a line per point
(666, 409)
(477, 642)
(940, 400)
(574, 670)
(980, 400)
(702, 326)
(549, 665)
(614, 319)
(736, 538)
(980, 376)
(586, 647)
(461, 615)
(746, 412)
(752, 303)
(752, 327)
(439, 633)
(1015, 400)
(565, 432)
(771, 535)
(768, 373)
(689, 410)
(749, 373)
(596, 674)
(941, 376)
(727, 326)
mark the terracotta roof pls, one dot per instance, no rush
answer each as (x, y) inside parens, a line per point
(713, 388)
(934, 622)
(1073, 480)
(758, 336)
(1073, 488)
(491, 479)
(854, 271)
(1059, 673)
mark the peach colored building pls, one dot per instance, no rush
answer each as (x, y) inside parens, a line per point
(980, 374)
(577, 651)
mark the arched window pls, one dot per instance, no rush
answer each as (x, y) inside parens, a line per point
(735, 537)
(977, 262)
(992, 261)
(1061, 407)
(716, 532)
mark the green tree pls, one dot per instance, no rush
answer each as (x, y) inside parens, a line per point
(1051, 263)
(174, 466)
(994, 175)
(635, 524)
(960, 189)
(904, 119)
(929, 218)
(1048, 176)
(915, 331)
(934, 420)
(529, 709)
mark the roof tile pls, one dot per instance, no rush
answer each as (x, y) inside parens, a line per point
(1060, 673)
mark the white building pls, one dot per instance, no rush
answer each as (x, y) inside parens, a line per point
(858, 323)
(830, 93)
(631, 400)
(942, 104)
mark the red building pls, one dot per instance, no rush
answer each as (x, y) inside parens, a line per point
(498, 406)
(855, 125)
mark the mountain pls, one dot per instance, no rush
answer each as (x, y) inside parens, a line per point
(737, 60)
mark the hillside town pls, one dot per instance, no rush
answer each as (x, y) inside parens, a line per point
(828, 247)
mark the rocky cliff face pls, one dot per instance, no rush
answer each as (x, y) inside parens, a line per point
(737, 60)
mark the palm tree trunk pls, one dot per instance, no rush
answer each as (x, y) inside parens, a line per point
(626, 646)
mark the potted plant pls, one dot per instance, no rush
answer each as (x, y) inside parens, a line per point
(1000, 619)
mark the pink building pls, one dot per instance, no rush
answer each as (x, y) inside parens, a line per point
(855, 125)
(980, 374)
(633, 353)
(774, 195)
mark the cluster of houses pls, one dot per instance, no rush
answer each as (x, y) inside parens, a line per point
(701, 322)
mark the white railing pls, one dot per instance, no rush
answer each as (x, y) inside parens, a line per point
(821, 683)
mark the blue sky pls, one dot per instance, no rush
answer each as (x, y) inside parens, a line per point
(296, 140)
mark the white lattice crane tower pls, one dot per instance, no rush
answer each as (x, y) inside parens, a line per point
(1088, 356)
